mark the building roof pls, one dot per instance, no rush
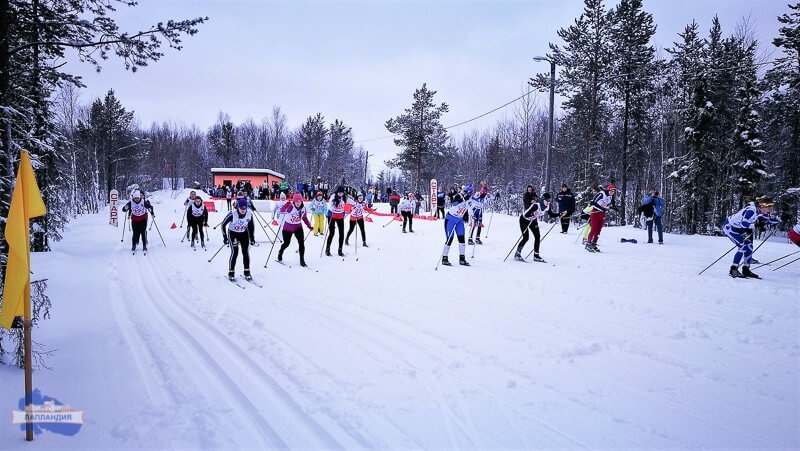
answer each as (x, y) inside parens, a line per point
(246, 171)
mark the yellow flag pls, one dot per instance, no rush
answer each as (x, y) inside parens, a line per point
(26, 203)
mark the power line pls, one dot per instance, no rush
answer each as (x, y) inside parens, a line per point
(460, 123)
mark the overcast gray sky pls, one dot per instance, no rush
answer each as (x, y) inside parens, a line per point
(360, 61)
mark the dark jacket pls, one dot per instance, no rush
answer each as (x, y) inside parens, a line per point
(566, 202)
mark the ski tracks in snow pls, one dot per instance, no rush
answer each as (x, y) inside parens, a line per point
(220, 389)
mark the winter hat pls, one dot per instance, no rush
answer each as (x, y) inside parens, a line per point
(469, 189)
(283, 196)
(611, 187)
(546, 196)
(340, 189)
(136, 193)
(564, 185)
(241, 203)
(457, 199)
(765, 201)
(319, 193)
(297, 197)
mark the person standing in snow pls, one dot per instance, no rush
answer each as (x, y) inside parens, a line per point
(357, 218)
(294, 214)
(336, 221)
(597, 215)
(238, 229)
(394, 201)
(196, 219)
(440, 204)
(454, 226)
(229, 196)
(477, 211)
(740, 227)
(529, 221)
(318, 208)
(137, 209)
(566, 206)
(657, 203)
(794, 234)
(407, 211)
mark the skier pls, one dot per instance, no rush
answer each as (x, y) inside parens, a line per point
(794, 234)
(278, 205)
(454, 225)
(529, 220)
(138, 208)
(739, 228)
(566, 205)
(197, 218)
(357, 217)
(477, 212)
(336, 211)
(238, 229)
(294, 214)
(597, 216)
(190, 199)
(406, 210)
(318, 209)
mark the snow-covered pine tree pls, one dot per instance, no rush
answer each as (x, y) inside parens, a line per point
(633, 85)
(749, 168)
(421, 135)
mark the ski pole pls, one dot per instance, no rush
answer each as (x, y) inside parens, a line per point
(390, 221)
(764, 240)
(356, 243)
(280, 226)
(268, 226)
(519, 239)
(773, 261)
(490, 222)
(542, 238)
(262, 228)
(215, 253)
(123, 229)
(787, 264)
(183, 218)
(446, 242)
(159, 232)
(325, 236)
(723, 255)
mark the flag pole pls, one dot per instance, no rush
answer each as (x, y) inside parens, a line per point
(28, 365)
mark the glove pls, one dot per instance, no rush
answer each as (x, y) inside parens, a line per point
(252, 242)
(205, 225)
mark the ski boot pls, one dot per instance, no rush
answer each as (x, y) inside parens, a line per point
(589, 247)
(303, 263)
(328, 252)
(471, 242)
(231, 276)
(537, 258)
(584, 241)
(749, 274)
(462, 260)
(365, 244)
(478, 240)
(518, 257)
(247, 275)
(404, 230)
(410, 230)
(446, 261)
(596, 249)
(280, 256)
(734, 272)
(341, 254)
(347, 242)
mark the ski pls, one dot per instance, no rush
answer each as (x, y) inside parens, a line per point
(233, 281)
(253, 282)
(283, 263)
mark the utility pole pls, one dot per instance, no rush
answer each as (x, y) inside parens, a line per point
(550, 127)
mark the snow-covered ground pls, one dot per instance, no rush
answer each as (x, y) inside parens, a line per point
(629, 348)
